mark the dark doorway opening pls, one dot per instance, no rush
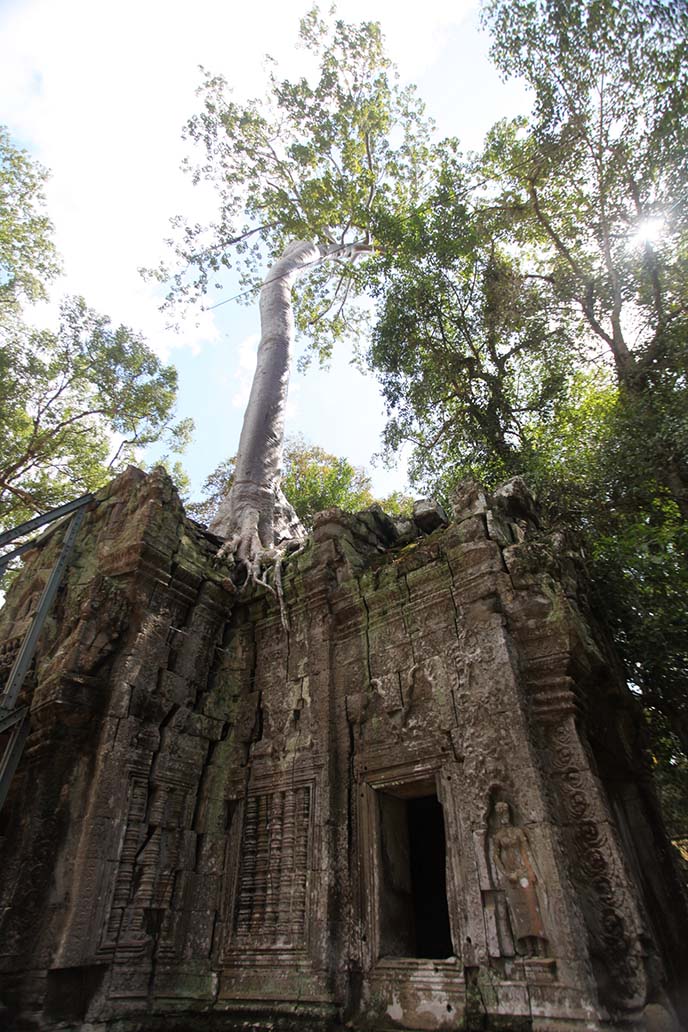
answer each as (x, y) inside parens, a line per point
(414, 916)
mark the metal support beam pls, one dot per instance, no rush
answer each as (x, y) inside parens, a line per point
(7, 558)
(13, 751)
(8, 720)
(18, 719)
(46, 517)
(28, 646)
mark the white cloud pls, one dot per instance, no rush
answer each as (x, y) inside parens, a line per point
(293, 408)
(414, 36)
(99, 92)
(246, 364)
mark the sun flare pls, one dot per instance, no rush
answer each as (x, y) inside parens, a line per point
(649, 231)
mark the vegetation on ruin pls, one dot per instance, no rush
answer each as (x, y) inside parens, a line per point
(312, 479)
(529, 308)
(305, 179)
(530, 305)
(538, 324)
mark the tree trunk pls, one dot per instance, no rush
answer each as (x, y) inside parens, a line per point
(255, 516)
(676, 482)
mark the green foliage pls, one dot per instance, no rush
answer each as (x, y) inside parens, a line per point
(28, 260)
(324, 158)
(69, 396)
(313, 480)
(533, 315)
(470, 350)
(671, 776)
(397, 503)
(65, 397)
(593, 468)
(595, 187)
(595, 184)
(215, 486)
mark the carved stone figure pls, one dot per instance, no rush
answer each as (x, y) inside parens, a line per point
(511, 855)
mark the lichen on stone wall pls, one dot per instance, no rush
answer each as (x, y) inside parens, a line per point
(199, 832)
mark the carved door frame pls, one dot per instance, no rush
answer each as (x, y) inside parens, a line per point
(432, 771)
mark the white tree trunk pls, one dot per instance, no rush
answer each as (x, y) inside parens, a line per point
(255, 516)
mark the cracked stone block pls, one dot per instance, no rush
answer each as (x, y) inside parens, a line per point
(516, 500)
(468, 499)
(419, 803)
(429, 515)
(379, 523)
(499, 529)
(406, 530)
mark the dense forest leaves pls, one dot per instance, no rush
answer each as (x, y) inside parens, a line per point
(313, 480)
(77, 400)
(533, 319)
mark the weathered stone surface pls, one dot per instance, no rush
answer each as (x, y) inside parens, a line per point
(422, 804)
(468, 499)
(429, 515)
(516, 501)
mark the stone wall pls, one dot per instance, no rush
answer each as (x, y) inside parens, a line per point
(411, 797)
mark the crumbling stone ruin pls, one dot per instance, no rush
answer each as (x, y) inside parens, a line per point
(415, 799)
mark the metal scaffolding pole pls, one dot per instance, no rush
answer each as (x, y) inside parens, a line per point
(17, 720)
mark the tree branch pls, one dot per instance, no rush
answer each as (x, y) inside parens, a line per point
(19, 492)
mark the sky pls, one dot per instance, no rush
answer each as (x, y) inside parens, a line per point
(99, 92)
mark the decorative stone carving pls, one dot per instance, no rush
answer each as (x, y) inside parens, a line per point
(193, 837)
(614, 924)
(271, 895)
(514, 871)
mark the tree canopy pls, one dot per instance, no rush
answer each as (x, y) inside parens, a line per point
(533, 319)
(28, 259)
(467, 346)
(596, 184)
(562, 245)
(66, 397)
(313, 480)
(77, 401)
(325, 158)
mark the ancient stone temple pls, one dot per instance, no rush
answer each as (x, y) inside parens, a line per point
(412, 796)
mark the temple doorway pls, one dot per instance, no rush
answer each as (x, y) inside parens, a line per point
(413, 909)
